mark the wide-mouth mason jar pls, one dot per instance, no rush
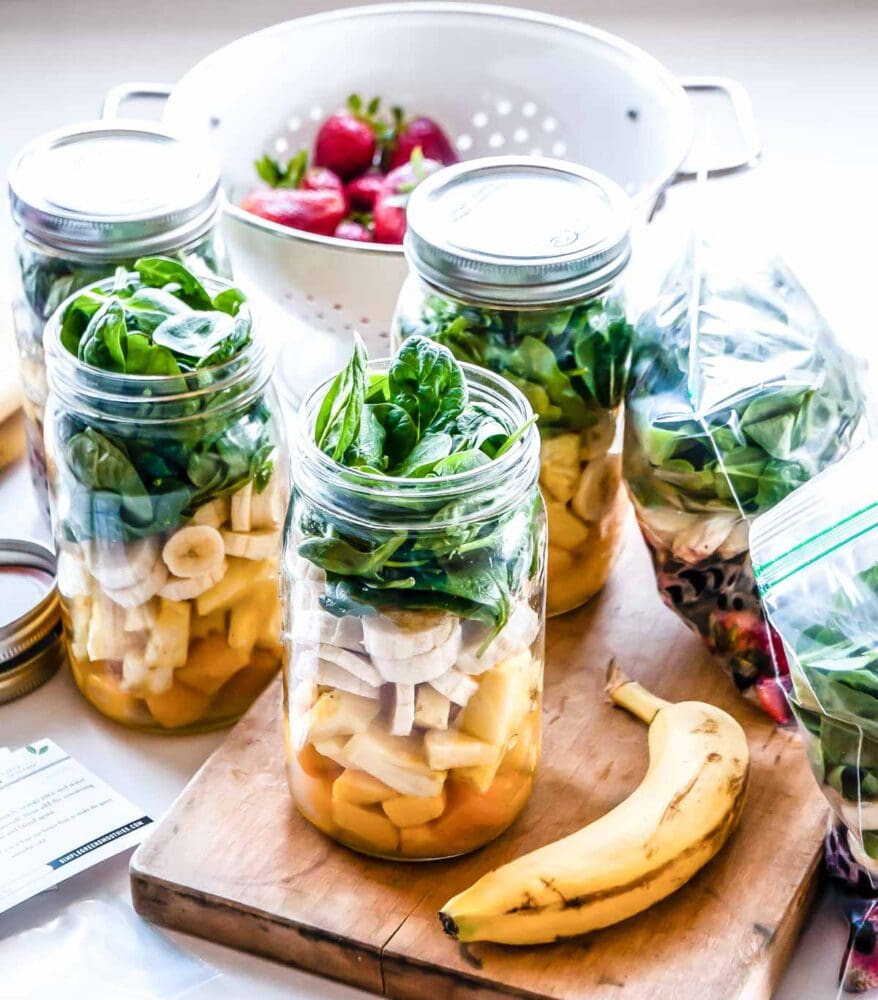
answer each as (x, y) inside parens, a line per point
(516, 264)
(88, 199)
(414, 642)
(168, 494)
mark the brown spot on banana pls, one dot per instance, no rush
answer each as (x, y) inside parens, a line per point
(707, 728)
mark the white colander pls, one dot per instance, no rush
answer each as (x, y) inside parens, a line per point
(500, 80)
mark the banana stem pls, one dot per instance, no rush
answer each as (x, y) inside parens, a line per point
(631, 696)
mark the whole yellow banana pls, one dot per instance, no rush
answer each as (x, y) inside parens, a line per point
(647, 847)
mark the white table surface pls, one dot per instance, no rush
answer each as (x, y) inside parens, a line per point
(811, 71)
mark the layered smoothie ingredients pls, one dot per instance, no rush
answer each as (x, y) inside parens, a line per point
(414, 574)
(169, 484)
(739, 394)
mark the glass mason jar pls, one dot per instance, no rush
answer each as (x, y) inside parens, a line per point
(89, 199)
(516, 265)
(412, 696)
(148, 473)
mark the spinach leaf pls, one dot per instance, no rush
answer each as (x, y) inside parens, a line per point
(338, 420)
(105, 338)
(426, 382)
(161, 272)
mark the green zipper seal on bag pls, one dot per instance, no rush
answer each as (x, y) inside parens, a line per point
(782, 567)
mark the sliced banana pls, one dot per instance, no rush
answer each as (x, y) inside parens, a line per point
(704, 536)
(241, 503)
(598, 485)
(518, 633)
(267, 508)
(312, 624)
(214, 513)
(118, 566)
(359, 666)
(140, 593)
(74, 579)
(403, 717)
(252, 545)
(456, 687)
(399, 634)
(177, 589)
(194, 551)
(309, 667)
(335, 750)
(424, 666)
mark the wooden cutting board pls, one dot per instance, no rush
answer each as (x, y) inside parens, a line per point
(233, 862)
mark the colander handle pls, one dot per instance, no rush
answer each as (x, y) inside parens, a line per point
(118, 95)
(739, 99)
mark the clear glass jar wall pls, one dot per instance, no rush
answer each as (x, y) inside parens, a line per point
(412, 694)
(571, 362)
(42, 279)
(168, 494)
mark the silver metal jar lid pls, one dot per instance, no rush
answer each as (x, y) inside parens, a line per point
(111, 190)
(31, 646)
(518, 230)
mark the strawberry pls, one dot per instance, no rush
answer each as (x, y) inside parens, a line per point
(346, 141)
(773, 699)
(389, 208)
(363, 190)
(348, 229)
(420, 132)
(314, 211)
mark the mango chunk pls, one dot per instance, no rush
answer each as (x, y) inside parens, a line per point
(211, 662)
(369, 827)
(179, 706)
(360, 788)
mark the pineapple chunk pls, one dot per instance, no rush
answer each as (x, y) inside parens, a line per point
(524, 746)
(482, 777)
(138, 678)
(211, 662)
(403, 716)
(451, 748)
(408, 811)
(338, 713)
(245, 622)
(79, 617)
(398, 761)
(371, 828)
(361, 789)
(505, 695)
(169, 640)
(559, 466)
(565, 528)
(239, 578)
(431, 708)
(335, 749)
(269, 633)
(202, 626)
(106, 636)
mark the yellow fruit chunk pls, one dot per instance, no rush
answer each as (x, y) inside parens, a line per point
(566, 530)
(398, 761)
(245, 621)
(559, 466)
(238, 581)
(447, 748)
(503, 699)
(168, 642)
(202, 626)
(471, 818)
(361, 789)
(180, 706)
(524, 746)
(407, 811)
(211, 662)
(370, 827)
(105, 692)
(339, 713)
(269, 633)
(481, 777)
(315, 764)
(313, 797)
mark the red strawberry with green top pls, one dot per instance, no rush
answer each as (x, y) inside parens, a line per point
(390, 205)
(314, 211)
(421, 133)
(346, 141)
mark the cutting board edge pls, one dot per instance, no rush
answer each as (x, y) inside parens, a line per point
(203, 915)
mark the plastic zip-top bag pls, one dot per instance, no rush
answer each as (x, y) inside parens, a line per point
(815, 559)
(739, 394)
